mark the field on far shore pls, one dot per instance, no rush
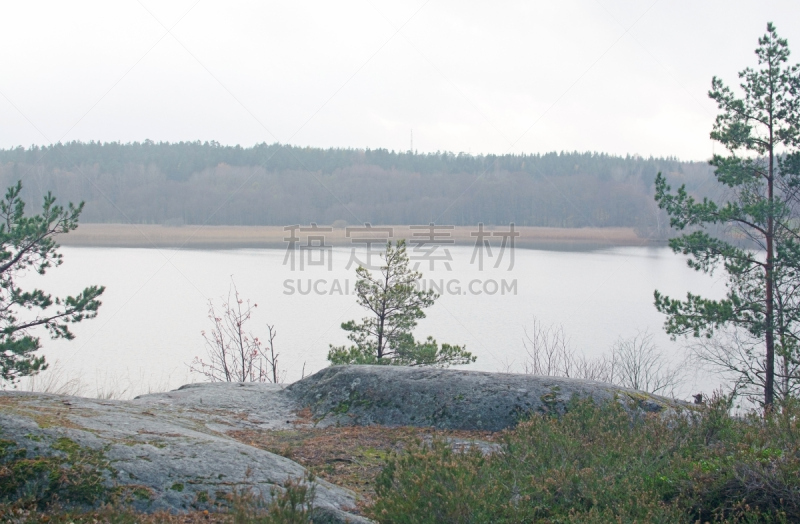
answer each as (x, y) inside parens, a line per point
(237, 237)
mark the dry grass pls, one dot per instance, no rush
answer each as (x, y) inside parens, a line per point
(44, 416)
(110, 515)
(222, 237)
(351, 457)
(56, 380)
(59, 379)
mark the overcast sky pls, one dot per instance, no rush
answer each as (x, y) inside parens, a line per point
(483, 77)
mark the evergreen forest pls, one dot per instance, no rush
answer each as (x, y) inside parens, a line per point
(273, 184)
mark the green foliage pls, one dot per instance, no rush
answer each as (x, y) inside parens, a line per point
(70, 487)
(761, 174)
(70, 475)
(395, 305)
(28, 243)
(597, 464)
(291, 505)
(106, 514)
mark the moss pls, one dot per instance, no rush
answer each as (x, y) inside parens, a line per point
(7, 448)
(70, 447)
(46, 417)
(71, 474)
(142, 493)
(354, 399)
(341, 408)
(177, 487)
(374, 454)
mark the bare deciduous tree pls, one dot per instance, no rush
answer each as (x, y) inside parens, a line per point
(634, 362)
(234, 353)
(550, 354)
(638, 364)
(737, 357)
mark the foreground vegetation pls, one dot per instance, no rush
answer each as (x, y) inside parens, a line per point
(593, 464)
(291, 506)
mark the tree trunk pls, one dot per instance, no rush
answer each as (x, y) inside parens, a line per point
(382, 316)
(769, 380)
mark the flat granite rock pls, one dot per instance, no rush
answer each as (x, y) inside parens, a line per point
(173, 450)
(450, 398)
(167, 451)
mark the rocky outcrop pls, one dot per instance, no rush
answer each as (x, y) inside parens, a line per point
(167, 451)
(175, 450)
(449, 398)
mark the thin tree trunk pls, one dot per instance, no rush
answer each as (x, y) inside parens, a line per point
(769, 380)
(382, 316)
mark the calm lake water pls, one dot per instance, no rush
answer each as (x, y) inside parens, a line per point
(156, 305)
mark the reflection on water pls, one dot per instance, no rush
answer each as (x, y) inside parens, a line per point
(155, 305)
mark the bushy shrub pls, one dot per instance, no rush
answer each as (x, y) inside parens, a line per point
(598, 464)
(71, 474)
(292, 505)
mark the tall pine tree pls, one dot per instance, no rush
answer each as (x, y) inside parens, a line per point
(760, 129)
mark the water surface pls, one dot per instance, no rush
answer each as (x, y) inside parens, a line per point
(156, 305)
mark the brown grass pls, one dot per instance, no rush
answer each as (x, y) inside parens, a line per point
(44, 416)
(350, 457)
(108, 515)
(227, 237)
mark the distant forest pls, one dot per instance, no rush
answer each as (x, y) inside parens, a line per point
(274, 184)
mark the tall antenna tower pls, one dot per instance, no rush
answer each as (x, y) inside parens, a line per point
(412, 142)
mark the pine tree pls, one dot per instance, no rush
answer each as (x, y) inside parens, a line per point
(395, 305)
(761, 177)
(27, 243)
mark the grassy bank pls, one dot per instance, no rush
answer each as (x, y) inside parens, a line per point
(232, 237)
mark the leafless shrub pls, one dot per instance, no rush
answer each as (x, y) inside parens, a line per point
(737, 357)
(551, 354)
(634, 363)
(600, 369)
(639, 364)
(548, 349)
(234, 353)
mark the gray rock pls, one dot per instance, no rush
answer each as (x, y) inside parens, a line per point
(449, 398)
(173, 450)
(170, 450)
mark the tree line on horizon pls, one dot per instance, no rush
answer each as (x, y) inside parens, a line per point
(208, 183)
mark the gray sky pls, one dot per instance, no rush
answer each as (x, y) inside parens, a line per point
(485, 77)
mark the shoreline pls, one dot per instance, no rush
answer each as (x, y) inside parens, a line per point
(272, 237)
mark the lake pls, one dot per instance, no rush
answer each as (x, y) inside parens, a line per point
(156, 305)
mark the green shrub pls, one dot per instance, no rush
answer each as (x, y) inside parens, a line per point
(598, 464)
(292, 505)
(71, 475)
